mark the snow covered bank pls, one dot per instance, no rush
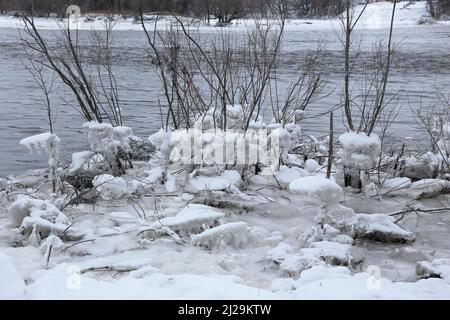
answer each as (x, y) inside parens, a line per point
(376, 16)
(319, 282)
(160, 226)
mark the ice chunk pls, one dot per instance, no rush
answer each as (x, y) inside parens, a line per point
(280, 252)
(224, 181)
(233, 234)
(427, 188)
(422, 166)
(320, 272)
(395, 186)
(317, 189)
(122, 217)
(34, 214)
(438, 268)
(311, 165)
(322, 253)
(192, 218)
(377, 227)
(286, 175)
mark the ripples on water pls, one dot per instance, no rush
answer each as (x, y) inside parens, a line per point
(422, 63)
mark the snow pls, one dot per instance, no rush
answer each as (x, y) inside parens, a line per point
(321, 253)
(359, 150)
(223, 181)
(233, 234)
(378, 227)
(376, 16)
(46, 142)
(110, 187)
(317, 189)
(427, 188)
(122, 218)
(37, 215)
(154, 175)
(11, 284)
(150, 235)
(394, 186)
(311, 165)
(322, 282)
(421, 167)
(66, 284)
(280, 252)
(286, 175)
(80, 161)
(104, 138)
(435, 268)
(191, 218)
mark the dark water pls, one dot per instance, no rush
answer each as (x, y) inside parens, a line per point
(422, 64)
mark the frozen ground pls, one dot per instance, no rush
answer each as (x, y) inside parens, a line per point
(119, 255)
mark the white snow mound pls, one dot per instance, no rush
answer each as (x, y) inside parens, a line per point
(317, 189)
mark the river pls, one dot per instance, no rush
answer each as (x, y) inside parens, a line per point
(422, 63)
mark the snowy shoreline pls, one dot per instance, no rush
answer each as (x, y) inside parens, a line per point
(376, 16)
(214, 211)
(296, 235)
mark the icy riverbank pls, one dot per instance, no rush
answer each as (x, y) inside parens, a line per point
(232, 206)
(261, 242)
(376, 16)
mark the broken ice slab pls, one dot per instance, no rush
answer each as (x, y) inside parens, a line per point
(376, 227)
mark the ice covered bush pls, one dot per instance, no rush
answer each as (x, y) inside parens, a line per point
(45, 142)
(103, 137)
(235, 116)
(422, 166)
(193, 218)
(110, 187)
(317, 189)
(444, 142)
(207, 120)
(288, 137)
(37, 216)
(111, 142)
(165, 141)
(359, 151)
(86, 162)
(214, 118)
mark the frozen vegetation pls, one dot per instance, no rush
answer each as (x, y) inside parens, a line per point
(142, 218)
(292, 235)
